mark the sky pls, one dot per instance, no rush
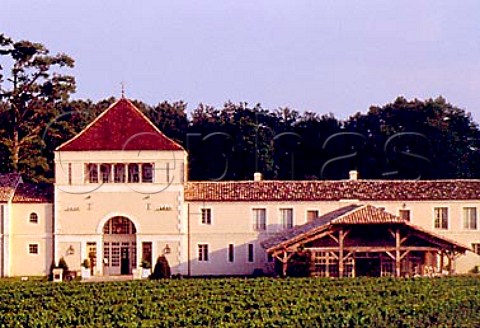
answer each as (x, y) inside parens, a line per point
(336, 57)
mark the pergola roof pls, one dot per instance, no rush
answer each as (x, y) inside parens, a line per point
(350, 215)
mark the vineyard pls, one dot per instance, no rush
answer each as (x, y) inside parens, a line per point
(367, 302)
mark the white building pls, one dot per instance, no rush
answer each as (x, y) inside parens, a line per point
(122, 196)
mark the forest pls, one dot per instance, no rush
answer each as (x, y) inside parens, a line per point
(404, 139)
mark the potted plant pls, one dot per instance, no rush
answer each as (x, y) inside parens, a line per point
(146, 269)
(85, 269)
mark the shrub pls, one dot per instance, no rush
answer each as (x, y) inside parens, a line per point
(62, 264)
(162, 269)
(86, 264)
(475, 270)
(146, 264)
(50, 274)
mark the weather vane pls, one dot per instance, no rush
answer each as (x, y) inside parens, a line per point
(123, 89)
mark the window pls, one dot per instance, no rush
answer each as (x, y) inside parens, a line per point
(259, 219)
(476, 248)
(250, 252)
(69, 173)
(203, 252)
(133, 173)
(147, 173)
(286, 215)
(105, 173)
(269, 258)
(92, 173)
(147, 251)
(33, 217)
(119, 225)
(404, 215)
(119, 173)
(92, 253)
(231, 253)
(206, 216)
(33, 248)
(312, 214)
(115, 251)
(440, 217)
(106, 253)
(470, 218)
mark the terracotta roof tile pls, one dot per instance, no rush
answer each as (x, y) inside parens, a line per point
(120, 127)
(13, 187)
(368, 214)
(314, 226)
(8, 182)
(351, 214)
(363, 190)
(33, 193)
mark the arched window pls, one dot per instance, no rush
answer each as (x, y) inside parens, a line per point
(33, 217)
(119, 225)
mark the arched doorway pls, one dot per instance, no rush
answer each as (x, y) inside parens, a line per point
(119, 246)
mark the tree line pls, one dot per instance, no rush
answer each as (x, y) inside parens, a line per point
(404, 139)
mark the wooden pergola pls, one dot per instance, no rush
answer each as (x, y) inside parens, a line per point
(362, 241)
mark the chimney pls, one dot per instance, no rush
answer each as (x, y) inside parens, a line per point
(353, 174)
(257, 176)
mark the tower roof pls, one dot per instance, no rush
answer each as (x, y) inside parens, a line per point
(120, 127)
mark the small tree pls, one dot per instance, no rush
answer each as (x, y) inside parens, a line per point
(162, 269)
(86, 264)
(62, 264)
(146, 264)
(50, 274)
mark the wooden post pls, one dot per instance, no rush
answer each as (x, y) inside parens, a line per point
(397, 252)
(340, 254)
(454, 258)
(284, 264)
(441, 262)
(450, 262)
(312, 263)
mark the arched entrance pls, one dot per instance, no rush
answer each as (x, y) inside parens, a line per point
(119, 246)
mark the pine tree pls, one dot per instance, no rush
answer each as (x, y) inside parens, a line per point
(33, 89)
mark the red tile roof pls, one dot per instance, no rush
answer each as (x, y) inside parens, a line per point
(8, 182)
(351, 214)
(13, 188)
(363, 190)
(33, 193)
(348, 215)
(120, 127)
(367, 214)
(298, 232)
